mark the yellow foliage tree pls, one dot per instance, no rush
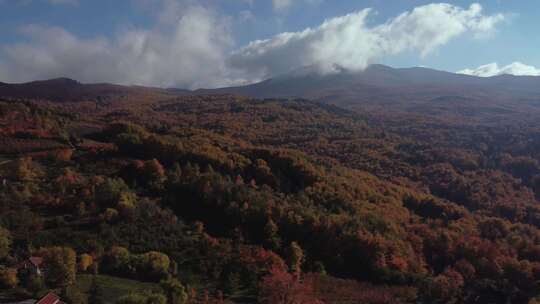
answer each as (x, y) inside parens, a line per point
(85, 261)
(8, 278)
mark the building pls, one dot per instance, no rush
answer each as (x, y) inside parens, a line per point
(33, 265)
(50, 298)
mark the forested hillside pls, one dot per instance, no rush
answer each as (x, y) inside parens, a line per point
(147, 196)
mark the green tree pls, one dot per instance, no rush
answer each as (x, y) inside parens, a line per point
(109, 192)
(155, 264)
(118, 260)
(35, 284)
(174, 290)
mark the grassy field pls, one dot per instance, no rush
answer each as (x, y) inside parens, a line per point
(113, 287)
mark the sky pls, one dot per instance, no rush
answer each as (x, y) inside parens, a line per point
(215, 43)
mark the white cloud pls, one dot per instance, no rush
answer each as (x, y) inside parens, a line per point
(284, 5)
(192, 46)
(348, 42)
(280, 5)
(191, 53)
(516, 68)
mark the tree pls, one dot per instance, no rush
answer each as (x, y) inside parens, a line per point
(295, 258)
(5, 242)
(174, 175)
(80, 209)
(66, 180)
(8, 278)
(126, 205)
(446, 287)
(154, 173)
(62, 155)
(155, 264)
(35, 284)
(61, 265)
(85, 261)
(110, 215)
(281, 287)
(271, 234)
(117, 260)
(109, 191)
(174, 290)
(25, 169)
(493, 228)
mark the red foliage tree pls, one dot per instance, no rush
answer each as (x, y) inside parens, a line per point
(281, 287)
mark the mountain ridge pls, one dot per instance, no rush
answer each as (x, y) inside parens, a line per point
(377, 88)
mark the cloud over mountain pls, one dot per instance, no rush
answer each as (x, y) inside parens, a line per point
(348, 41)
(190, 53)
(193, 46)
(493, 69)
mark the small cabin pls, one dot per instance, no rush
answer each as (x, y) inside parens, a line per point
(33, 265)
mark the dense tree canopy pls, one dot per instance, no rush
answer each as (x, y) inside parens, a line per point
(216, 198)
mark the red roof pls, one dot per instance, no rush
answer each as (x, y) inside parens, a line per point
(37, 261)
(50, 298)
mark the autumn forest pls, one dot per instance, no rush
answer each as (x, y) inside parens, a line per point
(141, 195)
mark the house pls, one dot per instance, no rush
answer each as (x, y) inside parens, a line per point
(50, 298)
(33, 265)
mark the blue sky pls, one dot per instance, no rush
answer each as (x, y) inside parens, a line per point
(206, 43)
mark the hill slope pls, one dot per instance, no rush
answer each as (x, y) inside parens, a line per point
(237, 197)
(410, 90)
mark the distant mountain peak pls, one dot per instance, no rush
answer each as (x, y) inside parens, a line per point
(58, 81)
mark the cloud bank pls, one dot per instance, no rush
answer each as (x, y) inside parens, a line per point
(493, 69)
(193, 47)
(348, 42)
(191, 54)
